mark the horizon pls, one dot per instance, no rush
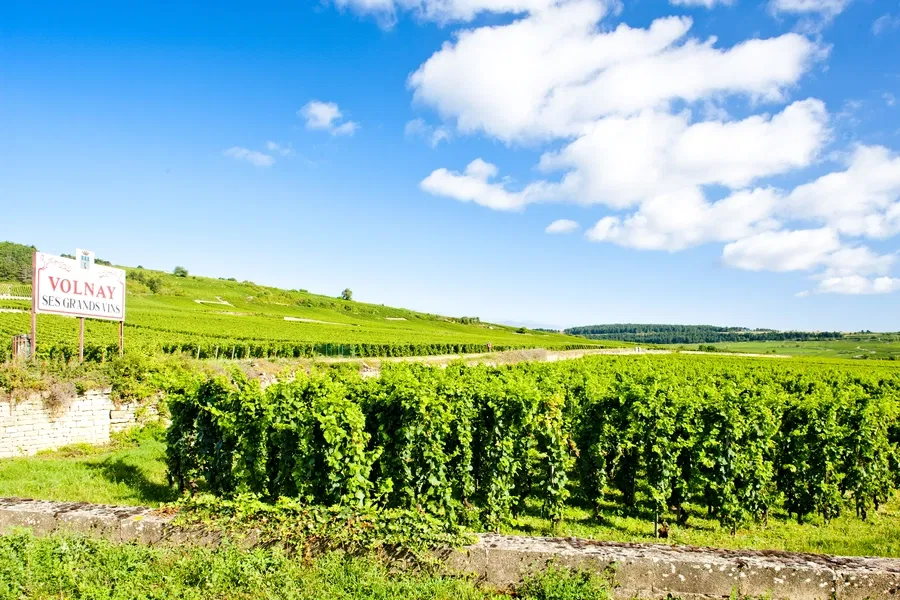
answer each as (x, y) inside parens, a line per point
(554, 162)
(528, 324)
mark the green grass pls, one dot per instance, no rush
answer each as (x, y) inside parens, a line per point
(130, 471)
(76, 567)
(846, 535)
(856, 346)
(256, 314)
(133, 473)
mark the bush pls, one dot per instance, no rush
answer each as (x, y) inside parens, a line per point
(475, 444)
(180, 272)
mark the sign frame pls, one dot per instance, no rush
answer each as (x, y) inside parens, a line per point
(41, 261)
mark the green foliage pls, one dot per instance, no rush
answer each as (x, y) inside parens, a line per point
(347, 294)
(477, 444)
(180, 272)
(557, 583)
(15, 262)
(80, 567)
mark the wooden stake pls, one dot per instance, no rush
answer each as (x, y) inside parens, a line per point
(121, 338)
(34, 305)
(81, 340)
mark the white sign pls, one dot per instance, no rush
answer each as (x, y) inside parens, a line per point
(63, 287)
(85, 258)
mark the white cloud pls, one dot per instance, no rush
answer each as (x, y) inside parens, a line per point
(282, 149)
(251, 156)
(703, 3)
(622, 161)
(863, 200)
(638, 123)
(553, 73)
(434, 135)
(800, 250)
(889, 99)
(474, 185)
(858, 261)
(885, 22)
(328, 117)
(843, 270)
(826, 8)
(442, 11)
(682, 219)
(562, 226)
(857, 284)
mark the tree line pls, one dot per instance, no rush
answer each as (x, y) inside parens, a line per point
(693, 334)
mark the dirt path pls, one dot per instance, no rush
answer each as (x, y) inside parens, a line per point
(372, 365)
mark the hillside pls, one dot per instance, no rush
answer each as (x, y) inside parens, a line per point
(216, 317)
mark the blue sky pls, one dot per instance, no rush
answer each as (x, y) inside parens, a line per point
(731, 163)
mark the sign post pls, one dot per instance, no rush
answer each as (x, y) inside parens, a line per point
(33, 307)
(77, 288)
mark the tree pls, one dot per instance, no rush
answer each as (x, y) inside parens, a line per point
(347, 294)
(15, 262)
(180, 272)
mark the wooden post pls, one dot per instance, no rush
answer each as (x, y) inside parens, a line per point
(34, 305)
(81, 340)
(121, 338)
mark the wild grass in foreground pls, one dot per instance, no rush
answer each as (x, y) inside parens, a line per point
(76, 567)
(133, 472)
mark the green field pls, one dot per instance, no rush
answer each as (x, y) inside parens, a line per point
(852, 346)
(241, 319)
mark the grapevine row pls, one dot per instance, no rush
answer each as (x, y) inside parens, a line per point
(736, 438)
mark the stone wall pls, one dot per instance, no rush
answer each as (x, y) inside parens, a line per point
(639, 570)
(51, 420)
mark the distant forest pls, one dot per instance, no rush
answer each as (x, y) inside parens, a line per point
(693, 334)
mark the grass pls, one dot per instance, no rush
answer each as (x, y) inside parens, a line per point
(855, 346)
(133, 472)
(846, 535)
(77, 567)
(130, 471)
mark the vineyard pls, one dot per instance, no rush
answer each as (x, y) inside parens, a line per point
(209, 318)
(734, 439)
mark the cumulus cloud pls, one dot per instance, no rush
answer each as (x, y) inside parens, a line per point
(857, 284)
(827, 8)
(282, 149)
(682, 219)
(703, 3)
(433, 135)
(253, 157)
(622, 161)
(562, 226)
(634, 120)
(443, 11)
(885, 22)
(863, 200)
(841, 269)
(554, 73)
(799, 250)
(475, 185)
(328, 117)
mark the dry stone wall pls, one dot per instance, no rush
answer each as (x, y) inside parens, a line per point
(45, 421)
(639, 570)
